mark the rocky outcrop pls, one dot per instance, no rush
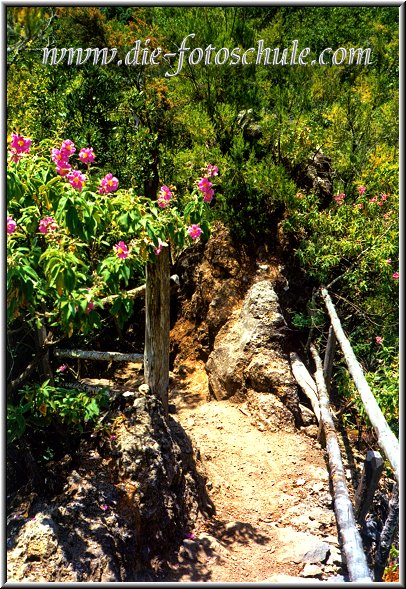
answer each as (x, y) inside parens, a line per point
(121, 508)
(248, 355)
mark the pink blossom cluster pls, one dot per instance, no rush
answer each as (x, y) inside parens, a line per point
(380, 203)
(121, 250)
(47, 224)
(205, 186)
(212, 170)
(11, 225)
(164, 196)
(19, 146)
(108, 184)
(194, 231)
(339, 198)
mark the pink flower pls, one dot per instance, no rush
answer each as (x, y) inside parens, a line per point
(20, 144)
(104, 507)
(360, 205)
(63, 169)
(379, 339)
(108, 184)
(386, 216)
(161, 244)
(361, 189)
(68, 148)
(212, 170)
(194, 231)
(162, 203)
(121, 250)
(373, 199)
(62, 368)
(89, 308)
(204, 184)
(389, 261)
(59, 157)
(76, 179)
(86, 155)
(395, 276)
(384, 196)
(11, 225)
(339, 198)
(47, 224)
(208, 195)
(380, 203)
(165, 194)
(15, 157)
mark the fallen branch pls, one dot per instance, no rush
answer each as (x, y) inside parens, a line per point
(386, 438)
(306, 382)
(131, 294)
(92, 355)
(135, 292)
(351, 540)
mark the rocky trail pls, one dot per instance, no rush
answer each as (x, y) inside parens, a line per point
(274, 520)
(232, 487)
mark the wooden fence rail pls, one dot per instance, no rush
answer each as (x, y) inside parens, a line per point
(386, 438)
(346, 516)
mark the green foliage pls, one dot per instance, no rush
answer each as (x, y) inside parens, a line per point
(259, 124)
(41, 405)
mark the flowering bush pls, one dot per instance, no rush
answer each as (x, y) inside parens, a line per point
(75, 238)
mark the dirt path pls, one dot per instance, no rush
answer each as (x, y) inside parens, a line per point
(270, 491)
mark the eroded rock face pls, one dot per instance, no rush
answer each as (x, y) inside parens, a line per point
(119, 510)
(248, 352)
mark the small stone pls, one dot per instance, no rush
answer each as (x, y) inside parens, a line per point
(311, 570)
(300, 482)
(317, 487)
(128, 394)
(143, 389)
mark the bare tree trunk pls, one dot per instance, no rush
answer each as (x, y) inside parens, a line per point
(157, 327)
(44, 365)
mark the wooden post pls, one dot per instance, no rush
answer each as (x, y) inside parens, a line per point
(351, 541)
(373, 467)
(387, 535)
(329, 357)
(157, 326)
(386, 438)
(306, 382)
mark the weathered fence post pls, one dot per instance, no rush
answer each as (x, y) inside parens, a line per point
(387, 535)
(157, 326)
(373, 467)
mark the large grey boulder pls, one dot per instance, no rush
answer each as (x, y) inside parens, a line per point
(248, 351)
